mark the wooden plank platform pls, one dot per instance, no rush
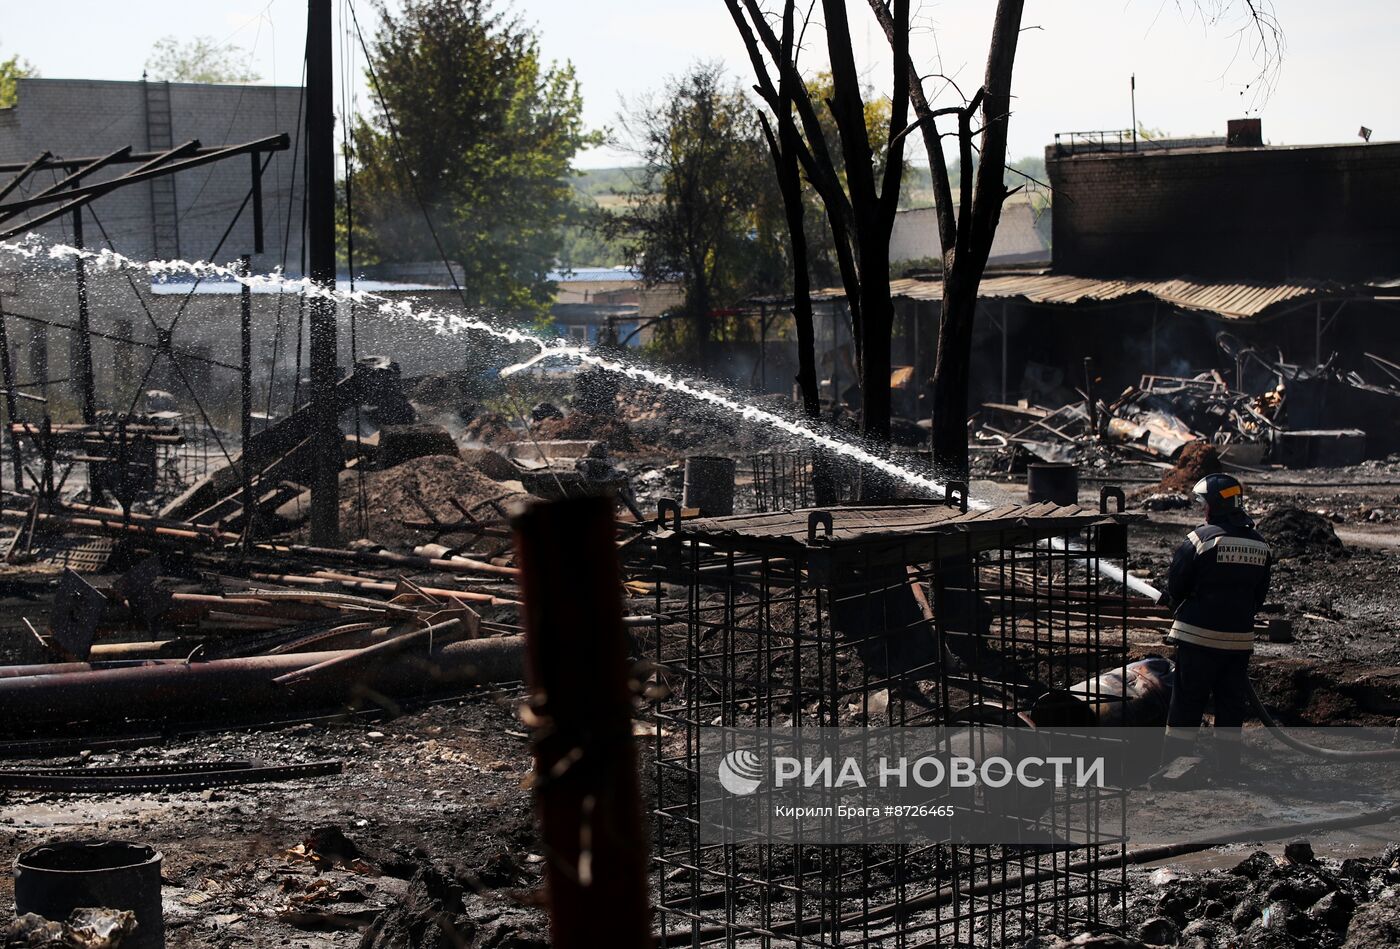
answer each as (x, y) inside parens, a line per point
(858, 525)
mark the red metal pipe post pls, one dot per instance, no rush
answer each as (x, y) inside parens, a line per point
(577, 667)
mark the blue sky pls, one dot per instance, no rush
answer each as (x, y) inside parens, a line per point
(1071, 73)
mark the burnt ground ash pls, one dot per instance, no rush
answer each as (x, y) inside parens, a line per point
(434, 795)
(1285, 898)
(436, 802)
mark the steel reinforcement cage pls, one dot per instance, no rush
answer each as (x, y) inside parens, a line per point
(894, 615)
(786, 481)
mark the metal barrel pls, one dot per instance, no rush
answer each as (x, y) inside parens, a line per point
(1057, 482)
(709, 485)
(54, 879)
(1134, 695)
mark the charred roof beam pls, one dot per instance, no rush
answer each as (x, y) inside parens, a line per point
(134, 158)
(59, 190)
(273, 143)
(21, 173)
(62, 209)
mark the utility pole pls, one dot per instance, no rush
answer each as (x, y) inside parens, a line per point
(82, 353)
(1132, 94)
(245, 412)
(327, 444)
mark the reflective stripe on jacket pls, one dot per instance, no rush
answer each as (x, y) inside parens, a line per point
(1219, 579)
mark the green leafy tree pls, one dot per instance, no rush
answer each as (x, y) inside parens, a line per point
(585, 241)
(705, 211)
(11, 71)
(201, 59)
(476, 131)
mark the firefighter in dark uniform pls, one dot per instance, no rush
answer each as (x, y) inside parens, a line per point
(1219, 579)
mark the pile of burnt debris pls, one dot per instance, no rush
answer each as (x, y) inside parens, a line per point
(85, 928)
(1296, 901)
(1293, 417)
(214, 609)
(208, 604)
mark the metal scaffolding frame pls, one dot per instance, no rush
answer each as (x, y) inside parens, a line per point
(111, 440)
(786, 481)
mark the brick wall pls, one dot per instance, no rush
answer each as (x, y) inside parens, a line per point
(78, 117)
(1327, 212)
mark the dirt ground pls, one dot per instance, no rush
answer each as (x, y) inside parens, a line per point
(439, 797)
(441, 788)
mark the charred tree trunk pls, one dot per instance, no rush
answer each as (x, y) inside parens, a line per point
(872, 209)
(877, 327)
(802, 320)
(790, 185)
(784, 147)
(966, 239)
(699, 307)
(962, 276)
(859, 209)
(951, 377)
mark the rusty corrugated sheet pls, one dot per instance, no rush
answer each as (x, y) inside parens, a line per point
(1236, 301)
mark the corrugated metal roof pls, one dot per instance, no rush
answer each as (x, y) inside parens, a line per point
(1235, 301)
(594, 275)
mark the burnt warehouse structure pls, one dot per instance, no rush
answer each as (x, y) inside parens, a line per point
(1174, 257)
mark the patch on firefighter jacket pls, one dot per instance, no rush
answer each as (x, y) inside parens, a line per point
(1249, 553)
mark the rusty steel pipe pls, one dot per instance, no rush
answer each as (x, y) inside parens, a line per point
(66, 697)
(323, 578)
(586, 790)
(456, 565)
(78, 508)
(366, 654)
(118, 525)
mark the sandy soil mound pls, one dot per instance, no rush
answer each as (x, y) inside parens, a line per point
(1294, 532)
(393, 495)
(1196, 460)
(580, 425)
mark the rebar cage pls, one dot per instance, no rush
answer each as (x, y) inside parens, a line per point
(865, 616)
(786, 481)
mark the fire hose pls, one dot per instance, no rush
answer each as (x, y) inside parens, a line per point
(1277, 730)
(1331, 754)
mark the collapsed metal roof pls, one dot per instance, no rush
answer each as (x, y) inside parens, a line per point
(1232, 301)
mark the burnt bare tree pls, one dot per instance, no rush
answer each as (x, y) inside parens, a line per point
(784, 145)
(965, 236)
(860, 204)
